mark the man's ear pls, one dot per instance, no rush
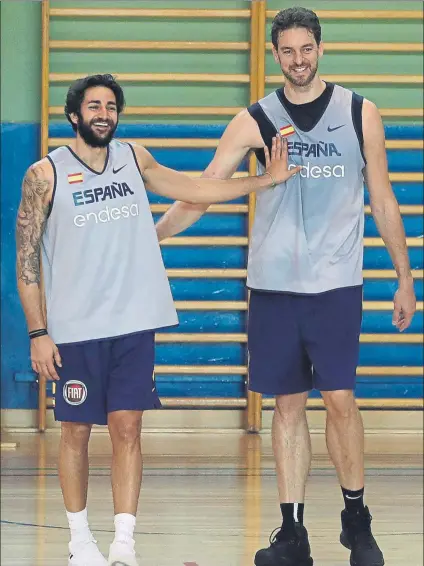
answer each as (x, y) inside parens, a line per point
(74, 118)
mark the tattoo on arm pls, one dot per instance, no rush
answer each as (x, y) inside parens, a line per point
(32, 217)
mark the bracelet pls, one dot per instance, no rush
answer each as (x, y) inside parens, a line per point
(37, 333)
(274, 184)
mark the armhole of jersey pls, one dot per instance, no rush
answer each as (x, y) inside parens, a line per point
(54, 185)
(135, 159)
(357, 103)
(266, 127)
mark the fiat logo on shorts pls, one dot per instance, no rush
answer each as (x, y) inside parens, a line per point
(75, 392)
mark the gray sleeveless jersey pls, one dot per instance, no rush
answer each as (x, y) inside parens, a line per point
(308, 232)
(103, 269)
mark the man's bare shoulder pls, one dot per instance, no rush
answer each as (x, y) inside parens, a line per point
(244, 129)
(244, 120)
(39, 181)
(139, 150)
(243, 117)
(372, 122)
(370, 111)
(145, 159)
(40, 177)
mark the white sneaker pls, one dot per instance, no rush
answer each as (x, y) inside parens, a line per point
(86, 554)
(122, 554)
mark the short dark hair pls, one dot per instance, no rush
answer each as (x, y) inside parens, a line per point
(295, 18)
(77, 90)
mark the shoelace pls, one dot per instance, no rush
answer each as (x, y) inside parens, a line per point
(274, 537)
(278, 535)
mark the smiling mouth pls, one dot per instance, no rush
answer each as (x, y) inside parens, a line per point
(101, 126)
(299, 69)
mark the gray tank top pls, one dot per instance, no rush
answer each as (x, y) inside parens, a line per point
(103, 270)
(308, 232)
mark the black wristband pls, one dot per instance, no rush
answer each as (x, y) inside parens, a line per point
(36, 333)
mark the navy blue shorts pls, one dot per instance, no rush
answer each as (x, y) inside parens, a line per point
(302, 342)
(102, 376)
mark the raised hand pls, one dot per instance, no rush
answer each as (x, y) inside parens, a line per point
(277, 164)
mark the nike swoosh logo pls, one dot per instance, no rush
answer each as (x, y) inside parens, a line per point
(117, 170)
(348, 497)
(330, 129)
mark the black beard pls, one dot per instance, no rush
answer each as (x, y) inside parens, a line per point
(296, 82)
(88, 135)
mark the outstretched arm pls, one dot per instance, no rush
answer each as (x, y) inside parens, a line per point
(33, 210)
(178, 186)
(241, 135)
(386, 213)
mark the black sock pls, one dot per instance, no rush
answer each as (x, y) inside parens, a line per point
(354, 500)
(292, 513)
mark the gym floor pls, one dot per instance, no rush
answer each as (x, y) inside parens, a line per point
(208, 499)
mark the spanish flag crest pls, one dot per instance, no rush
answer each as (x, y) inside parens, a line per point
(287, 131)
(75, 178)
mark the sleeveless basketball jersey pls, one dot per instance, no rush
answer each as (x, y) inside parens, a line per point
(103, 269)
(308, 232)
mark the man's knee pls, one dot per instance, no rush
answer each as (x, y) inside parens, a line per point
(76, 435)
(125, 426)
(290, 408)
(340, 404)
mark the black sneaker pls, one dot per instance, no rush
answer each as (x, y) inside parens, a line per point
(357, 537)
(286, 550)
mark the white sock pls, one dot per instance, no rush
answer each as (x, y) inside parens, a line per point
(78, 524)
(124, 528)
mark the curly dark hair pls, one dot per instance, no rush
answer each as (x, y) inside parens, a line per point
(77, 90)
(295, 18)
